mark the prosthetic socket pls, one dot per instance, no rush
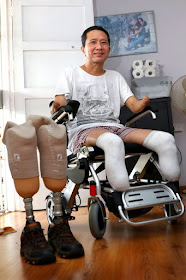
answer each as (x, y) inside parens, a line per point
(21, 142)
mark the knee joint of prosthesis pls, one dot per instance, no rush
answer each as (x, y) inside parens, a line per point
(115, 168)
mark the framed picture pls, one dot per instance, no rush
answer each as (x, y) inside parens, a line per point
(132, 33)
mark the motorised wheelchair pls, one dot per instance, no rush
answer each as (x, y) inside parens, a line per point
(144, 194)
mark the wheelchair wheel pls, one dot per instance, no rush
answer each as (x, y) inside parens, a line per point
(49, 208)
(171, 208)
(97, 223)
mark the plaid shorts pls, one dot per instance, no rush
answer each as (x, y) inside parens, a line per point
(82, 135)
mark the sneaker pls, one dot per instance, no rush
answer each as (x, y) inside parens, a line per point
(34, 246)
(62, 240)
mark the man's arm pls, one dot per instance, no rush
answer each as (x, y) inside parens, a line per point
(136, 105)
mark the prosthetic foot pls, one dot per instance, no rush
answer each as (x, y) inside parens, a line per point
(34, 247)
(62, 240)
(60, 236)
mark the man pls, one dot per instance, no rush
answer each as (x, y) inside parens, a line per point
(101, 94)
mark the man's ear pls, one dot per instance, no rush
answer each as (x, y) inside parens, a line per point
(83, 50)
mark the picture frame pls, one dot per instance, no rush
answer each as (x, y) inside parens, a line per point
(131, 33)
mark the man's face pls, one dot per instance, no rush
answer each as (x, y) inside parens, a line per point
(96, 46)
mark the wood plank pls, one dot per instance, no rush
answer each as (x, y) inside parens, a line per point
(156, 251)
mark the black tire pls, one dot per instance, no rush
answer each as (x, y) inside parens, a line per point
(171, 212)
(97, 223)
(170, 209)
(110, 203)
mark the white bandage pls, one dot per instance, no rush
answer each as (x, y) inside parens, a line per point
(115, 168)
(163, 144)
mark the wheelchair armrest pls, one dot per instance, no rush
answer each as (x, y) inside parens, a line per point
(140, 115)
(66, 112)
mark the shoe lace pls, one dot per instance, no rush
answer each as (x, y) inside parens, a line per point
(62, 231)
(36, 237)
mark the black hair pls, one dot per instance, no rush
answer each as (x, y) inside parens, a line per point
(95, 27)
(144, 21)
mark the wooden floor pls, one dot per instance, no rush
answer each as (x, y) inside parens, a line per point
(154, 252)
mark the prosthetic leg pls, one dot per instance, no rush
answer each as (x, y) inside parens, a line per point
(51, 140)
(21, 142)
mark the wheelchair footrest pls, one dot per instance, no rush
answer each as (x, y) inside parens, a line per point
(148, 195)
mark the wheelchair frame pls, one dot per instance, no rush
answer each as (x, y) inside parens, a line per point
(140, 198)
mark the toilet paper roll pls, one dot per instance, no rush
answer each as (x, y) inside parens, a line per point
(137, 64)
(137, 73)
(150, 63)
(150, 72)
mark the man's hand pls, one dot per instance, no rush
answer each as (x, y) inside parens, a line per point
(59, 101)
(145, 101)
(136, 105)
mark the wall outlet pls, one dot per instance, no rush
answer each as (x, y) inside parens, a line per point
(178, 127)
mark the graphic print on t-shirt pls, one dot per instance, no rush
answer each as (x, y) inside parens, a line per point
(95, 103)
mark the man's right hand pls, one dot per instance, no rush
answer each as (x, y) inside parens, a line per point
(59, 101)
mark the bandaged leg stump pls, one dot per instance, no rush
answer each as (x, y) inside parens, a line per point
(115, 168)
(164, 145)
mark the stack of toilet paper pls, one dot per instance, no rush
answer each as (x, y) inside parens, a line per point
(142, 69)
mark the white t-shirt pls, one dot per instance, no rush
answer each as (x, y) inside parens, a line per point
(100, 97)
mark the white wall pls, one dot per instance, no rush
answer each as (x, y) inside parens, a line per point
(170, 23)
